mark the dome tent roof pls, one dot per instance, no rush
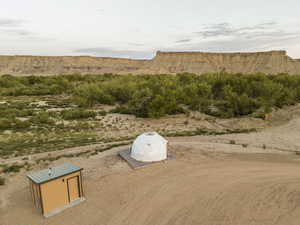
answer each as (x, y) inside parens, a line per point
(149, 147)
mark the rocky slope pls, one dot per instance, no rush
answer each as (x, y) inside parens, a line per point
(272, 62)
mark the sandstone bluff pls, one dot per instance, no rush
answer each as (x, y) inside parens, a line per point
(272, 62)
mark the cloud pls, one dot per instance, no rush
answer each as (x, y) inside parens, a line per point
(227, 30)
(6, 22)
(221, 37)
(220, 29)
(183, 40)
(20, 32)
(13, 26)
(111, 52)
(224, 37)
(238, 44)
(135, 44)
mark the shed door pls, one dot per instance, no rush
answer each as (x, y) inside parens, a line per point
(73, 188)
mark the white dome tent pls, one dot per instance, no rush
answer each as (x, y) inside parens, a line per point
(149, 147)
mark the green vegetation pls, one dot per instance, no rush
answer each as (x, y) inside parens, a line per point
(232, 142)
(73, 114)
(199, 131)
(45, 141)
(13, 124)
(222, 95)
(245, 145)
(42, 118)
(2, 181)
(87, 152)
(13, 168)
(47, 113)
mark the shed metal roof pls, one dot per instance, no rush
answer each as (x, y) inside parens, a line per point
(43, 176)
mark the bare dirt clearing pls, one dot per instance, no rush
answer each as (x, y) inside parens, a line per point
(199, 187)
(232, 179)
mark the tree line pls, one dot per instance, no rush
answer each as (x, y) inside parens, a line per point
(217, 94)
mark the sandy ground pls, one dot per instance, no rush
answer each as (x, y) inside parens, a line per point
(198, 187)
(210, 182)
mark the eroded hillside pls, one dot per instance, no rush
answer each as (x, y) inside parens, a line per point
(272, 62)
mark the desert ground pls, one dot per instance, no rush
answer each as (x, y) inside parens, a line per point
(211, 181)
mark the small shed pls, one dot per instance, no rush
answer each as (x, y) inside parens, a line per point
(57, 188)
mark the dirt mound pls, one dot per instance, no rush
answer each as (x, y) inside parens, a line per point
(272, 62)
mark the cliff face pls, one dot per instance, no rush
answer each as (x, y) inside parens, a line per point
(49, 65)
(272, 62)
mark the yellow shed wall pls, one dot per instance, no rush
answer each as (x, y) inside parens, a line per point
(55, 193)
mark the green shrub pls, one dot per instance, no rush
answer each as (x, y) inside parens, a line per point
(91, 94)
(13, 124)
(122, 110)
(102, 113)
(245, 145)
(19, 124)
(73, 114)
(2, 180)
(13, 168)
(42, 118)
(232, 142)
(6, 124)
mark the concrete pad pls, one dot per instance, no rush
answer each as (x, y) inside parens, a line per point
(134, 164)
(60, 209)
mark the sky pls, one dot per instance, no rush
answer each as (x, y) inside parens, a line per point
(139, 28)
